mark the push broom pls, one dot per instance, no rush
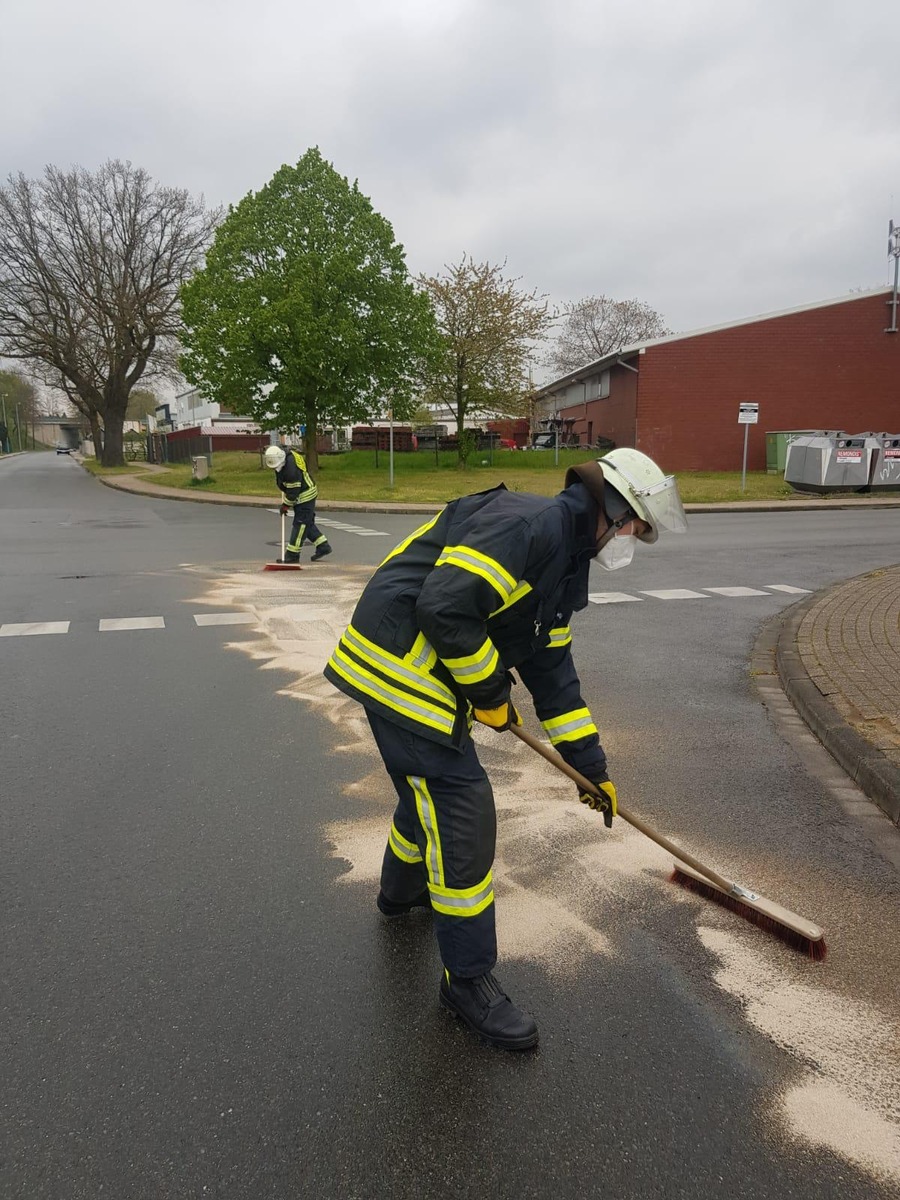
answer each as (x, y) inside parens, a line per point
(281, 565)
(690, 873)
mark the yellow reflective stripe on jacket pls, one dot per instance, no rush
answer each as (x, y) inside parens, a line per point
(473, 668)
(434, 859)
(309, 493)
(398, 669)
(561, 636)
(463, 902)
(479, 564)
(520, 590)
(404, 849)
(570, 726)
(416, 708)
(412, 537)
(422, 654)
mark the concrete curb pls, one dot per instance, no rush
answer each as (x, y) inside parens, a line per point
(142, 488)
(873, 771)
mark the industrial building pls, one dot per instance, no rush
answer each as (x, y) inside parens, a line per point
(830, 365)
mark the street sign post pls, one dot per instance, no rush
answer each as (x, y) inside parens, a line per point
(748, 414)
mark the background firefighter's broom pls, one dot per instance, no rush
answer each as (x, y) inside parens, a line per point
(690, 873)
(281, 565)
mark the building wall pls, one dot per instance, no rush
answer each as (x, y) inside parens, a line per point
(826, 368)
(612, 417)
(831, 367)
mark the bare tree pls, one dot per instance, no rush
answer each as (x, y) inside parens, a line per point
(90, 270)
(597, 326)
(488, 328)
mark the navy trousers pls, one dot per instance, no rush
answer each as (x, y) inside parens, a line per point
(443, 837)
(304, 528)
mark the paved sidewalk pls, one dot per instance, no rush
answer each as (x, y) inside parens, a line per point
(838, 656)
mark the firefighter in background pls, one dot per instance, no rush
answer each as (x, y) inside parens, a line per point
(488, 585)
(299, 493)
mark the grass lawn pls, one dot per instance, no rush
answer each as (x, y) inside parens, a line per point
(354, 476)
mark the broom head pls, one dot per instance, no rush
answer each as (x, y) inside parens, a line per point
(796, 931)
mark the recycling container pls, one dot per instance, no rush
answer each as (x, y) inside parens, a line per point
(832, 462)
(886, 468)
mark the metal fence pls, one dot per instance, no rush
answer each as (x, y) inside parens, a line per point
(161, 449)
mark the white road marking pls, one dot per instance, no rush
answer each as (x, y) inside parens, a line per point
(28, 628)
(676, 594)
(111, 623)
(108, 624)
(611, 597)
(225, 618)
(736, 591)
(357, 529)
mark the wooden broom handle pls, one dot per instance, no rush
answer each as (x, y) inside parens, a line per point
(585, 784)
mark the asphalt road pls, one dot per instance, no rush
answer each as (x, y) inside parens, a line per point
(198, 998)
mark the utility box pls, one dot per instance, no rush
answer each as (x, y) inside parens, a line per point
(832, 462)
(777, 442)
(200, 467)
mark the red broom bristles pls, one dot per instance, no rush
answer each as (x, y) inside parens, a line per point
(816, 949)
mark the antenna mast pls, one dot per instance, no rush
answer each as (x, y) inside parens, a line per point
(894, 253)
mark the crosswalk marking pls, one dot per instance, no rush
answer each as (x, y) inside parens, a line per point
(225, 618)
(109, 624)
(27, 628)
(611, 597)
(736, 591)
(207, 619)
(359, 530)
(690, 594)
(676, 594)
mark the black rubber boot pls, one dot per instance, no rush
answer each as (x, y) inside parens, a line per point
(289, 557)
(481, 1004)
(321, 551)
(391, 908)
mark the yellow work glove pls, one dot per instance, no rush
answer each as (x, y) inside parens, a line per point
(603, 800)
(500, 718)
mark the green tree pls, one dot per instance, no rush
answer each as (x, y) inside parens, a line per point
(141, 403)
(488, 327)
(90, 268)
(21, 404)
(304, 313)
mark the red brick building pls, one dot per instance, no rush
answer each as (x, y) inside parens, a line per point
(831, 365)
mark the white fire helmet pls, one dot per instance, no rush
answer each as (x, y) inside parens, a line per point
(653, 495)
(274, 457)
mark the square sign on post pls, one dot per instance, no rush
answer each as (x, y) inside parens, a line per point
(748, 414)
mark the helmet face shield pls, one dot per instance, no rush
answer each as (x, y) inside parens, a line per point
(663, 505)
(653, 495)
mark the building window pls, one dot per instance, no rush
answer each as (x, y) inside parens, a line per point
(590, 434)
(603, 389)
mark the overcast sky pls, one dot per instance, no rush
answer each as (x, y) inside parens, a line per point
(716, 159)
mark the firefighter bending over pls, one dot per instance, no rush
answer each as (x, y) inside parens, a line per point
(489, 584)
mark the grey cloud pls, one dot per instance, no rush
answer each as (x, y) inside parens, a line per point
(715, 160)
